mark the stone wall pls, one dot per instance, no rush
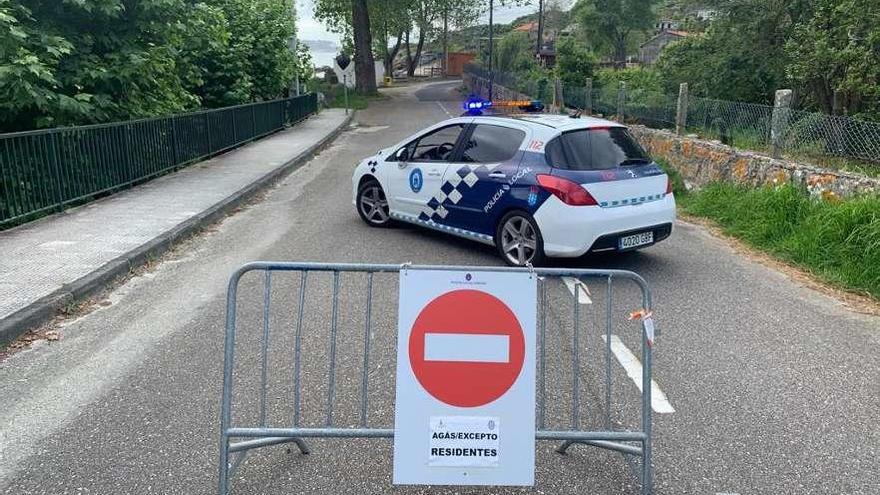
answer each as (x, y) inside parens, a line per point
(701, 162)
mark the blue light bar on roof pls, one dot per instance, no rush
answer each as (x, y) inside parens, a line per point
(476, 106)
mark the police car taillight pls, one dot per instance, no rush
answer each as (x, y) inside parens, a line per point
(570, 193)
(668, 185)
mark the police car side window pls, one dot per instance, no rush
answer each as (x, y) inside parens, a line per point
(492, 144)
(436, 146)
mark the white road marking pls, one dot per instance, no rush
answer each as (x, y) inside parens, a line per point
(583, 292)
(444, 109)
(659, 403)
(479, 348)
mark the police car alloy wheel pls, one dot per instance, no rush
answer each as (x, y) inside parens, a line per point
(518, 240)
(373, 205)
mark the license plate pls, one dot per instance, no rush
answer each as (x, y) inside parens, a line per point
(636, 240)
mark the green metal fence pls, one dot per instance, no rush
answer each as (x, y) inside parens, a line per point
(46, 170)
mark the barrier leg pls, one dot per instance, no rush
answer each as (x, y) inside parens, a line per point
(563, 449)
(303, 446)
(224, 465)
(265, 442)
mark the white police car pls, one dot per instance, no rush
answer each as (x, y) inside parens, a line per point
(532, 185)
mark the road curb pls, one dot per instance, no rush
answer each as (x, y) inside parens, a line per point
(44, 309)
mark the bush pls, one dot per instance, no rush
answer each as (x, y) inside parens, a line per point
(638, 79)
(574, 63)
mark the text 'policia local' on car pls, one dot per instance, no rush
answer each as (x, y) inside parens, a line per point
(534, 185)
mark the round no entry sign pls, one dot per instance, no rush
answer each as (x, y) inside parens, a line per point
(466, 348)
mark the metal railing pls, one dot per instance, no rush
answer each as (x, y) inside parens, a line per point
(45, 170)
(308, 345)
(743, 125)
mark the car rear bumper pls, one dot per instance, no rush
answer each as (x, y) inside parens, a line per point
(571, 231)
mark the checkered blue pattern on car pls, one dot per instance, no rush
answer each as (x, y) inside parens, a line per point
(632, 201)
(452, 190)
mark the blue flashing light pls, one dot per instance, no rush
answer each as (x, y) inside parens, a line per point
(475, 106)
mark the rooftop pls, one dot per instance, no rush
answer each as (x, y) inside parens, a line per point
(679, 34)
(524, 28)
(563, 122)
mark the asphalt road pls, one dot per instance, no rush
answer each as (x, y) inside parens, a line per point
(776, 388)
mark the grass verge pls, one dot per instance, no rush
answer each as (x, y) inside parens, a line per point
(356, 101)
(837, 241)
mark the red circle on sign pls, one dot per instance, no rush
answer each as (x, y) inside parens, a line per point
(462, 382)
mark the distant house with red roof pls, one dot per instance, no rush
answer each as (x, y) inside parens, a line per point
(530, 28)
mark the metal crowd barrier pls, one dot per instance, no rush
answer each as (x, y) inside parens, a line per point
(242, 435)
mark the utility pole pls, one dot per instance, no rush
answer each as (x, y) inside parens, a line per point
(491, 49)
(540, 26)
(445, 40)
(294, 85)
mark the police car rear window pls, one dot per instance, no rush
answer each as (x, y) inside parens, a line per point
(595, 149)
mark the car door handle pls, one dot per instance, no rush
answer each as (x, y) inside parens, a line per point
(497, 175)
(434, 172)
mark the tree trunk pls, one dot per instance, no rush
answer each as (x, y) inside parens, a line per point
(364, 67)
(620, 53)
(415, 62)
(445, 67)
(540, 26)
(408, 53)
(389, 60)
(384, 43)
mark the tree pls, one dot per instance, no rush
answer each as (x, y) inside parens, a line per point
(212, 65)
(423, 13)
(837, 50)
(85, 61)
(364, 67)
(514, 53)
(742, 55)
(611, 22)
(391, 21)
(29, 63)
(351, 18)
(457, 14)
(574, 63)
(119, 60)
(262, 30)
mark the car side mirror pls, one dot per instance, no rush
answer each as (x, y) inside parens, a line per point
(402, 154)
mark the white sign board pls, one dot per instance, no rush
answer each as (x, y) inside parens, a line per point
(465, 405)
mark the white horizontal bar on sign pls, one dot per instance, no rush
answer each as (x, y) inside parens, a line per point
(467, 347)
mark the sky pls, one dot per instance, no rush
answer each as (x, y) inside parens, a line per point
(311, 29)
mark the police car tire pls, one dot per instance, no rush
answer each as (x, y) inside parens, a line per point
(538, 258)
(361, 191)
